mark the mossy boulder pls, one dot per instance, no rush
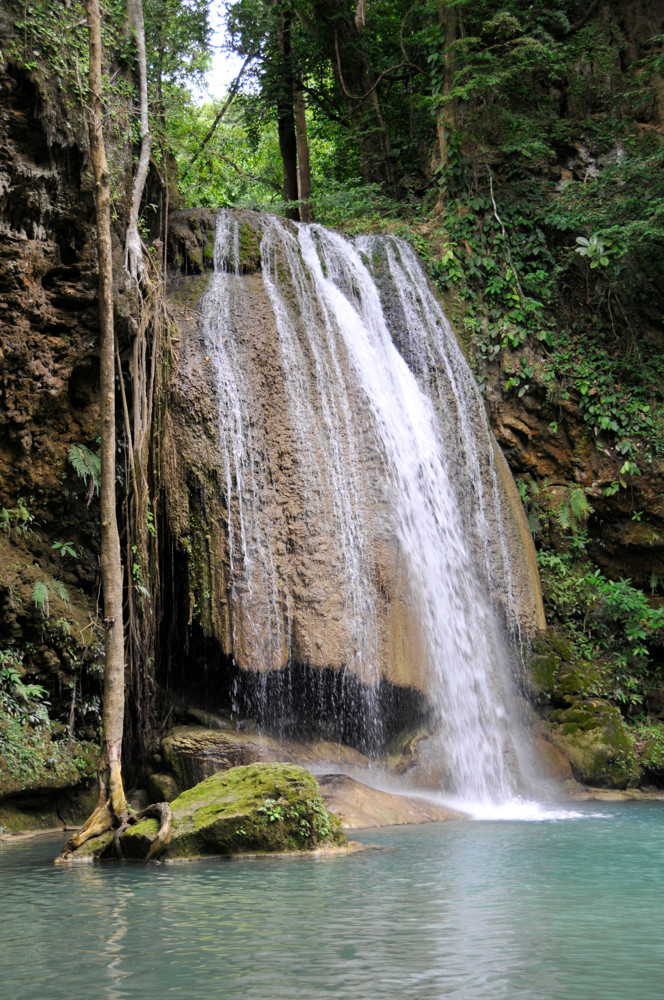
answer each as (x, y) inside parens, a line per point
(556, 676)
(256, 808)
(32, 761)
(593, 736)
(163, 788)
(652, 756)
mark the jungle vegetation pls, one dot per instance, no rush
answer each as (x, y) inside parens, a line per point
(519, 145)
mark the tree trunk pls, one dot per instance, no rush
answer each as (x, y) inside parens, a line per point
(446, 114)
(286, 116)
(133, 245)
(358, 83)
(303, 166)
(112, 808)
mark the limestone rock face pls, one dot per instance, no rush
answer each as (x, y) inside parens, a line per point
(359, 807)
(295, 604)
(309, 564)
(192, 753)
(548, 440)
(49, 362)
(258, 808)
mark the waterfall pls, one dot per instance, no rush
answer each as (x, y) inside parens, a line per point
(366, 529)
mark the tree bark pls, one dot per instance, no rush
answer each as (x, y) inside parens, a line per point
(359, 85)
(112, 808)
(303, 165)
(446, 114)
(133, 243)
(286, 116)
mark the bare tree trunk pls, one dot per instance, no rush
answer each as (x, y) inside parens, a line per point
(303, 165)
(286, 116)
(133, 246)
(112, 808)
(446, 114)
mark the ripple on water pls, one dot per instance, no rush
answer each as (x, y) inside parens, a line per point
(533, 910)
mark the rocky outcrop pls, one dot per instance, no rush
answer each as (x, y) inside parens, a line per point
(49, 371)
(290, 608)
(189, 754)
(360, 807)
(255, 809)
(544, 436)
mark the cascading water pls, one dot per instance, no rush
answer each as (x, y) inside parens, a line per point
(369, 480)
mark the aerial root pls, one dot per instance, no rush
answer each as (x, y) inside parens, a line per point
(99, 822)
(162, 812)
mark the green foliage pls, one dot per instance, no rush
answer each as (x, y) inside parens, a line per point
(87, 466)
(64, 549)
(24, 702)
(42, 590)
(16, 519)
(272, 810)
(606, 619)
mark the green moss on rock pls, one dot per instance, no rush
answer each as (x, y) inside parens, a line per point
(593, 736)
(31, 761)
(250, 254)
(556, 676)
(552, 643)
(652, 755)
(257, 808)
(543, 669)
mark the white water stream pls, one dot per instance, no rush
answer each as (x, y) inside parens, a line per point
(375, 387)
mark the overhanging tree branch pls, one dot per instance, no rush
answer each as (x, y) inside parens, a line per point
(252, 177)
(232, 91)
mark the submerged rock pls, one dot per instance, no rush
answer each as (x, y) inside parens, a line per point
(256, 808)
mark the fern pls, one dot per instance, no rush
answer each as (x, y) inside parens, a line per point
(579, 505)
(59, 589)
(574, 511)
(533, 523)
(564, 515)
(87, 466)
(40, 598)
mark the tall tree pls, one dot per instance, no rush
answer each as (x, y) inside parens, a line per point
(112, 807)
(303, 165)
(133, 246)
(285, 88)
(446, 113)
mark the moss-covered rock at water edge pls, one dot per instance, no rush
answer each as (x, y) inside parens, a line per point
(593, 736)
(257, 808)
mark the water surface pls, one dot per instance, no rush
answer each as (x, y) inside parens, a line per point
(570, 908)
